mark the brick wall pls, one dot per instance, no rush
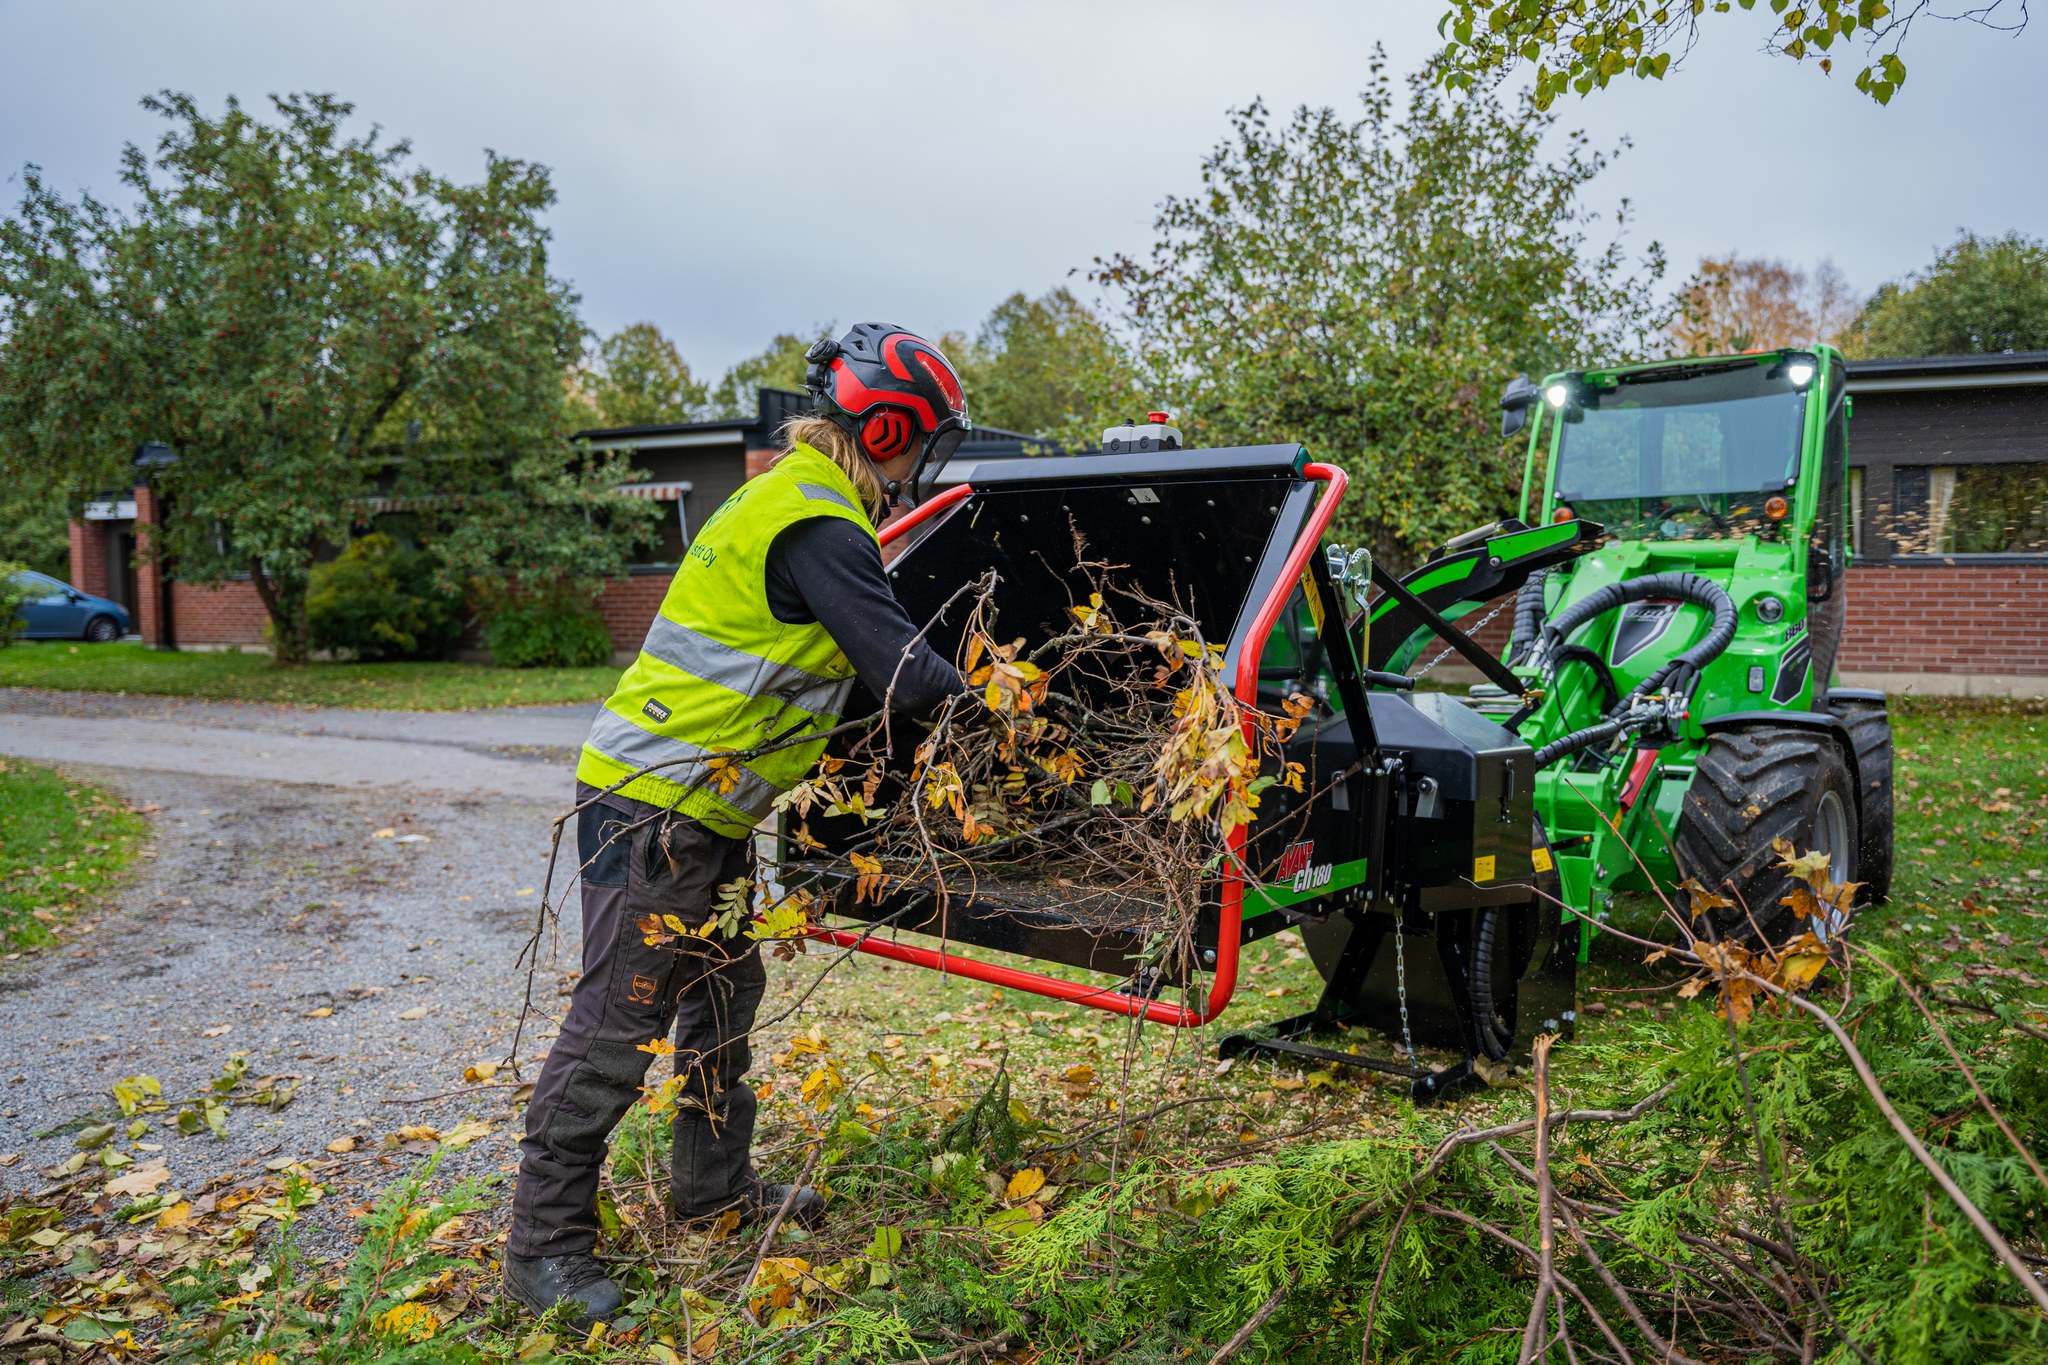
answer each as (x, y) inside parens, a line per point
(1976, 620)
(1947, 618)
(629, 605)
(89, 557)
(149, 622)
(231, 614)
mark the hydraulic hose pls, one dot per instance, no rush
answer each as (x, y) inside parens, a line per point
(1686, 587)
(1493, 1040)
(1528, 618)
(1597, 733)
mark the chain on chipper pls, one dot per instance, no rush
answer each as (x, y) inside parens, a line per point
(1449, 650)
(1401, 987)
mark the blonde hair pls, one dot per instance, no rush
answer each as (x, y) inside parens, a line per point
(831, 440)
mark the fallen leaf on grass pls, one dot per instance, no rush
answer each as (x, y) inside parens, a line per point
(462, 1134)
(524, 891)
(385, 833)
(217, 1031)
(416, 1132)
(342, 1145)
(416, 1012)
(140, 1181)
(1025, 1183)
(482, 1071)
(408, 1322)
(323, 1012)
(176, 1216)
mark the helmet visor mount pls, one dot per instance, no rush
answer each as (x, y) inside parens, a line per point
(938, 449)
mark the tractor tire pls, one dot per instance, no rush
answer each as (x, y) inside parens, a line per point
(1752, 786)
(1870, 730)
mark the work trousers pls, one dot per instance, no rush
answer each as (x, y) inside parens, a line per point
(635, 866)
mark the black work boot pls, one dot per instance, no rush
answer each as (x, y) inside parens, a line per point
(761, 1201)
(577, 1279)
(711, 1169)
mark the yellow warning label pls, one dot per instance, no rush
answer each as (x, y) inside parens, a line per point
(1482, 868)
(1540, 859)
(1315, 599)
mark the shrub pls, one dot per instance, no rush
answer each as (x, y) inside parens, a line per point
(378, 600)
(13, 592)
(560, 629)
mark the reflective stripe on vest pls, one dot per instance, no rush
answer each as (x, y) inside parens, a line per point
(719, 674)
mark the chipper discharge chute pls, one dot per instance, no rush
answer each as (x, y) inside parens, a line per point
(1413, 826)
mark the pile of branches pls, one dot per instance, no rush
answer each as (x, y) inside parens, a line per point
(1102, 772)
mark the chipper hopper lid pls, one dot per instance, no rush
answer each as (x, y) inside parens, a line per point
(1207, 530)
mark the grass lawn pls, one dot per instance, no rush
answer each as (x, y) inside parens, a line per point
(129, 667)
(1016, 1179)
(62, 844)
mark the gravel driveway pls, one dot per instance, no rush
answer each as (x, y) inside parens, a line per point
(340, 895)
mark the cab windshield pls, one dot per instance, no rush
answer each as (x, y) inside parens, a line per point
(1682, 453)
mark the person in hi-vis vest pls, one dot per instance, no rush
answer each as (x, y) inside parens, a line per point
(780, 603)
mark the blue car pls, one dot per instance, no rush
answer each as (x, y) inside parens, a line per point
(58, 611)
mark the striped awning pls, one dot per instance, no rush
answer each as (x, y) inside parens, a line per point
(670, 491)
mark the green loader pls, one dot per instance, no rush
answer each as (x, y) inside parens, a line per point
(1678, 603)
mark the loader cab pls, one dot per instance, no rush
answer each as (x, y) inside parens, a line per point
(1730, 466)
(1713, 449)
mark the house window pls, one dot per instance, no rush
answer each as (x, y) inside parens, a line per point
(1972, 509)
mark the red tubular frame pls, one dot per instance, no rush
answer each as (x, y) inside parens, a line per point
(1224, 984)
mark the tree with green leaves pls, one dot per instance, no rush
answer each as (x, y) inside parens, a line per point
(1982, 295)
(639, 379)
(310, 321)
(1367, 286)
(780, 366)
(34, 517)
(1581, 45)
(1046, 366)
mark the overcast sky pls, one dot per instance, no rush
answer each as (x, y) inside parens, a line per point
(730, 171)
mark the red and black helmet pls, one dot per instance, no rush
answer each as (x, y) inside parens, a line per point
(893, 391)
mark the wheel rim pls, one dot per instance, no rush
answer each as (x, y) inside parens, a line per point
(1831, 836)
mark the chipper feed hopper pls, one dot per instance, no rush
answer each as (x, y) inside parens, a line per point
(1413, 841)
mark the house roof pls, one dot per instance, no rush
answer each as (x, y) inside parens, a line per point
(776, 407)
(1917, 373)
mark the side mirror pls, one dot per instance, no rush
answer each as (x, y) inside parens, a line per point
(1515, 402)
(1820, 573)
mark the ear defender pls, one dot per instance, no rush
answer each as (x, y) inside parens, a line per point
(885, 434)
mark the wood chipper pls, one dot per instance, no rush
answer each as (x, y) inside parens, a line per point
(1414, 826)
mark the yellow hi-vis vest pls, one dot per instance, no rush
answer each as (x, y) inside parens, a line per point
(720, 674)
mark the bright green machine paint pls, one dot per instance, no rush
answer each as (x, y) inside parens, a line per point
(1730, 468)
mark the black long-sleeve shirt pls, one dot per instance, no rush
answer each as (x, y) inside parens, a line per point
(828, 570)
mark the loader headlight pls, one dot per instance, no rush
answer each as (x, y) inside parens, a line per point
(1557, 395)
(1800, 372)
